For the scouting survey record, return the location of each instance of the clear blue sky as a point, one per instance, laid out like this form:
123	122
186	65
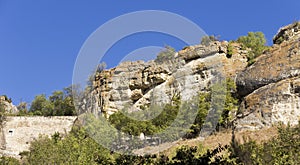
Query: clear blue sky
39	40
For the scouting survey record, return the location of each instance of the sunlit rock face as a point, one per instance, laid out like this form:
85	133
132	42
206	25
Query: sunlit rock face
267	89
270	87
272	104
7	105
135	85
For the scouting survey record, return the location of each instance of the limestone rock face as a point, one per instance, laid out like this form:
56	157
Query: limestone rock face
281	62
138	84
271	104
7	105
270	87
288	33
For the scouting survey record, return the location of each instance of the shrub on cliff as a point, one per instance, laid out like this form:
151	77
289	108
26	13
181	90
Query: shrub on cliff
205	40
165	55
256	41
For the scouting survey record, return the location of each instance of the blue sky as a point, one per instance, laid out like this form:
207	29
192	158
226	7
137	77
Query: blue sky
40	40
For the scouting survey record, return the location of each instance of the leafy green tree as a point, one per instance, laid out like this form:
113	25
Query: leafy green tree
9	161
229	50
56	100
2	111
22	109
60	103
203	107
75	148
256	41
231	104
41	105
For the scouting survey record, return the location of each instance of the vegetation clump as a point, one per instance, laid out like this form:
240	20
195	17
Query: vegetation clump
229	50
60	103
165	55
256	42
205	40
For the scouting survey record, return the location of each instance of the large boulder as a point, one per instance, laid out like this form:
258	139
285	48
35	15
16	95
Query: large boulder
272	104
281	62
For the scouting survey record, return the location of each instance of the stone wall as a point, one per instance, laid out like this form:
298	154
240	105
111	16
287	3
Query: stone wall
18	131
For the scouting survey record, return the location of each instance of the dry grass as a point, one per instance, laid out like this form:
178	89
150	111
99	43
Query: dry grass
211	142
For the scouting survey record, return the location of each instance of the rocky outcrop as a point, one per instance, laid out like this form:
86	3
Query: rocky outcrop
138	84
7	106
270	87
281	62
272	104
288	33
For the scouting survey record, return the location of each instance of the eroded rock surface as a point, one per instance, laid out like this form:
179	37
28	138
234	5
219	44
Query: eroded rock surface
137	84
272	104
270	87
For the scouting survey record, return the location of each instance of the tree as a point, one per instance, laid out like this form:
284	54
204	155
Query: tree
75	148
256	41
56	100
281	149
101	67
40	105
2	111
60	103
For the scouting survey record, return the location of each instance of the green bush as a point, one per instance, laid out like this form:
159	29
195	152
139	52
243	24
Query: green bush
229	50
256	41
75	148
60	103
164	117
165	55
9	161
79	148
283	149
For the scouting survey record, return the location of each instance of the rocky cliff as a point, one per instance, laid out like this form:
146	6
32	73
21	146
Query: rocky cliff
138	84
268	89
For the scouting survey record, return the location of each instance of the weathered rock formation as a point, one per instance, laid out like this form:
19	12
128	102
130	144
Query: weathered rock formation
271	104
270	86
281	62
7	106
288	33
138	84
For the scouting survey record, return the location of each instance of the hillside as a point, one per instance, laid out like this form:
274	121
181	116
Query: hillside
218	95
